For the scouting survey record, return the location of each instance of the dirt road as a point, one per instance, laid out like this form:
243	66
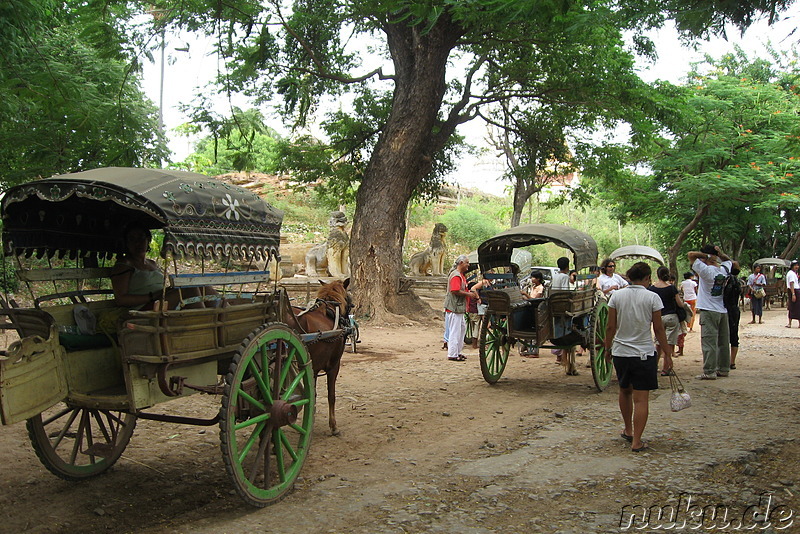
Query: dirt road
428	446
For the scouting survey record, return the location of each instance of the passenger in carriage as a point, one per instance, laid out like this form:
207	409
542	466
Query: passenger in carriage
609	280
536	289
138	282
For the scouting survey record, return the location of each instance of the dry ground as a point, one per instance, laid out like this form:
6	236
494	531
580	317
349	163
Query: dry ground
428	446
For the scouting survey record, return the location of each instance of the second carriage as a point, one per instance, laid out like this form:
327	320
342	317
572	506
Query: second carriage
562	319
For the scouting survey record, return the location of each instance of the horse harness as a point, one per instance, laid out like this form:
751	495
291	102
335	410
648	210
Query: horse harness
332	312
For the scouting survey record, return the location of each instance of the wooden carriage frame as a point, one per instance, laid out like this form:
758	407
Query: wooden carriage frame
81	393
563	319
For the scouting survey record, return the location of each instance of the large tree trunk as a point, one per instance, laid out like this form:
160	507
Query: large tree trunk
672	252
792	247
402	158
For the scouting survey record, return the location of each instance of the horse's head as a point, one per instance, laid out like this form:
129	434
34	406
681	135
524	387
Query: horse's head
336	291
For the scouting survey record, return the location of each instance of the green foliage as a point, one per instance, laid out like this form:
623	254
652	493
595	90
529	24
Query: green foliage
467	227
241	142
9	283
731	148
70	101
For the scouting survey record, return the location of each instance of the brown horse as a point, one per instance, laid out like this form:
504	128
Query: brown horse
326	355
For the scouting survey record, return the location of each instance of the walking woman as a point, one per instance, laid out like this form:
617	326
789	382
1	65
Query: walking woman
757	283
793	286
670	301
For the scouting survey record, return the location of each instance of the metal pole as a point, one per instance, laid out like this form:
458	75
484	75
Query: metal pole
161	86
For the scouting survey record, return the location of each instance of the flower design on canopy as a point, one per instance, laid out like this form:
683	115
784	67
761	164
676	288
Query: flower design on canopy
233	207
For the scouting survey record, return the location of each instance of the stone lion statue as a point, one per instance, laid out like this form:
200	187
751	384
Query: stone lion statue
431	260
332	256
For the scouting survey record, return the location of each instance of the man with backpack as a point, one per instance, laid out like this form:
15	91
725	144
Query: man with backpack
713	268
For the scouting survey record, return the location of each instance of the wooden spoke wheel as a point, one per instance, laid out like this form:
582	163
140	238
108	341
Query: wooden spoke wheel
77	443
469	331
267	414
601	369
495	345
352	339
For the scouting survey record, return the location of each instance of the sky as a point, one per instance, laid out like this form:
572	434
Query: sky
184	71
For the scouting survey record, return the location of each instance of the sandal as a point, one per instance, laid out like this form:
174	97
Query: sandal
644	447
666	373
626	437
459	358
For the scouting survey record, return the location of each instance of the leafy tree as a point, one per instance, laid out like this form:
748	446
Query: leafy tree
728	169
70	102
449	59
242	142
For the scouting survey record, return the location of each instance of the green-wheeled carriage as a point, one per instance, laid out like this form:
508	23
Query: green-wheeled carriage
81	392
562	319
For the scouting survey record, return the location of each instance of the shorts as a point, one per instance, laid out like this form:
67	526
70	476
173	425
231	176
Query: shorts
641	375
671	327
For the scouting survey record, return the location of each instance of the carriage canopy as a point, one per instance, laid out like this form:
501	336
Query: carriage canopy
497	251
83	214
777	262
637	252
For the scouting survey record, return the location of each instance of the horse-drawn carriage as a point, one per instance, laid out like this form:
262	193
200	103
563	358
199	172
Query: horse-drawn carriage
81	389
562	319
774	270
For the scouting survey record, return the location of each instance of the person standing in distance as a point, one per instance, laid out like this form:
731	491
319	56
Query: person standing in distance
793	286
632	312
689	290
455	306
714	331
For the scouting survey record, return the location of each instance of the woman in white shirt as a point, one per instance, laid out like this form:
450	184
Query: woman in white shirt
756	281
609	281
793	285
689	290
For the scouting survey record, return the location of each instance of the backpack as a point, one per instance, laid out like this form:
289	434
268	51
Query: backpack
731	290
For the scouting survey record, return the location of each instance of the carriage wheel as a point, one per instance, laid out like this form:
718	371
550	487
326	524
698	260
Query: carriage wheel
469	331
495	344
353	338
77	443
601	369
267	414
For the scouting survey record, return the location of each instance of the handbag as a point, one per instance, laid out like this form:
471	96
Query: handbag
680	400
681	313
759	293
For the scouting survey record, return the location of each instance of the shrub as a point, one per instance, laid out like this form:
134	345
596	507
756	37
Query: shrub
468	227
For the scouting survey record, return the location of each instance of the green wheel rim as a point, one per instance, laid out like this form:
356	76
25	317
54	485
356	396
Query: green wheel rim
267	414
601	369
495	346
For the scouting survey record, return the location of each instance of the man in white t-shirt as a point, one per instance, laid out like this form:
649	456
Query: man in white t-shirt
632	311
714	330
561	278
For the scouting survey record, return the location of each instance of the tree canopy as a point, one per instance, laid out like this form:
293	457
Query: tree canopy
416	70
727	167
70	100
